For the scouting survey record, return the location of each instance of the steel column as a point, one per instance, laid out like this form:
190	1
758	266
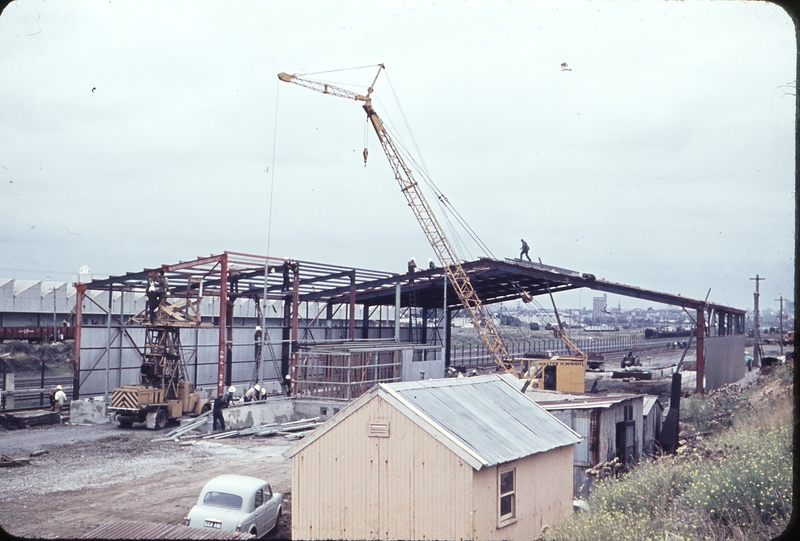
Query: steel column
701	360
223	317
76	365
352	305
295	325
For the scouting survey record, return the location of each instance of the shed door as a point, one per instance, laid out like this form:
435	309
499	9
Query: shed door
626	442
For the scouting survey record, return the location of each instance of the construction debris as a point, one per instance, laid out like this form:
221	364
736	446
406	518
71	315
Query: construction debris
6	461
605	470
292	430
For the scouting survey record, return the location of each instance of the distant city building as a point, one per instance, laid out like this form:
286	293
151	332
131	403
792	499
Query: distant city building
598	307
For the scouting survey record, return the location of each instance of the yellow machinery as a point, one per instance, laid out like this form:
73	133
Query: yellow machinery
557	372
164	392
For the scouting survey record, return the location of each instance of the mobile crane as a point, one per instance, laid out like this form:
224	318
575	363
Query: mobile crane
558	372
164	392
487	332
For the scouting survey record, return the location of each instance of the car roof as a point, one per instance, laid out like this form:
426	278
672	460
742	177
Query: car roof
235	484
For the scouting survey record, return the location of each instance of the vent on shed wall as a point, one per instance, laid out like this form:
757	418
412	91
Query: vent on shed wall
379	430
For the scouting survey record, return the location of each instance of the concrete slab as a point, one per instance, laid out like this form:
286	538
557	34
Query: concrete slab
88	411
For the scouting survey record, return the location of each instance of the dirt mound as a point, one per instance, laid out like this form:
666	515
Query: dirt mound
20	356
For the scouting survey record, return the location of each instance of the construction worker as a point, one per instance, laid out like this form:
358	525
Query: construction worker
60	398
412	265
524	250
257	342
152	298
431	264
219	403
253	394
229	395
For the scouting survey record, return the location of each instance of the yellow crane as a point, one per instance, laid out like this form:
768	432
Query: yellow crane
458	278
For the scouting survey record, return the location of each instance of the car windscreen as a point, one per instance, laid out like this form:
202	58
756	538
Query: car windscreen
223	499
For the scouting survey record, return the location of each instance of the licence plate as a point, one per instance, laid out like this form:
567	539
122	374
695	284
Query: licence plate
212	524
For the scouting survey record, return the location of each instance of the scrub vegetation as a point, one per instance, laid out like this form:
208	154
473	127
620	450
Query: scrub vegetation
732	478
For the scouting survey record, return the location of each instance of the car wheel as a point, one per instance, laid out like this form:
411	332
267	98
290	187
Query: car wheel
206	407
125	424
161	419
254	532
277	519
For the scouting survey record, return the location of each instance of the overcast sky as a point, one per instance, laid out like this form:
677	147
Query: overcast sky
136	134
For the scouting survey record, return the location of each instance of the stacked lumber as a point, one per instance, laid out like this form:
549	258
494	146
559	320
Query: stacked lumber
290	430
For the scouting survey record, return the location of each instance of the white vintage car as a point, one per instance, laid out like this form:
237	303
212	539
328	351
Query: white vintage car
237	503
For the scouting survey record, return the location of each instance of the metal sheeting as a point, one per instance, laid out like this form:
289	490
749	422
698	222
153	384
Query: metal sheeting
489	416
35	296
133	529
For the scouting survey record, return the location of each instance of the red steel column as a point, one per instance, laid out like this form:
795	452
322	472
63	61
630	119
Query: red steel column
76	363
223	308
701	360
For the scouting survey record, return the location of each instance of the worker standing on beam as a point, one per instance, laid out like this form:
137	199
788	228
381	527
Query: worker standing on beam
524	250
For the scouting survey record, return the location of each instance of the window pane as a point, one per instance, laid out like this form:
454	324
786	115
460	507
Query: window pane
506	505
223	499
507	482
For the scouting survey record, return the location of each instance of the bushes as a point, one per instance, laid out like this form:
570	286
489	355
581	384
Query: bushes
750	486
737	484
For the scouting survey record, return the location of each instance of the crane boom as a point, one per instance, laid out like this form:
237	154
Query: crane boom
488	333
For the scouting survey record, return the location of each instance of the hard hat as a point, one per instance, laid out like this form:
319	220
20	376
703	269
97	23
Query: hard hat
258	327
257	387
231	389
58	387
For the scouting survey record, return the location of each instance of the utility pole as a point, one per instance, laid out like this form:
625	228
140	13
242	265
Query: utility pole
781	320
756	326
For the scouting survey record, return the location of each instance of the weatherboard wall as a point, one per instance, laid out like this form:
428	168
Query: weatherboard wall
348	485
542	495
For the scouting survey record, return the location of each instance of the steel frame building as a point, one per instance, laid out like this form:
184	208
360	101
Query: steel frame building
234	291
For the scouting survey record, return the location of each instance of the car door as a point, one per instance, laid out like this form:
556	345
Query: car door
271	507
259	512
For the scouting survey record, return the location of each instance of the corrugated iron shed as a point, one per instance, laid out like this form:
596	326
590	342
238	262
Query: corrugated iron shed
484	417
492	418
134	529
649	402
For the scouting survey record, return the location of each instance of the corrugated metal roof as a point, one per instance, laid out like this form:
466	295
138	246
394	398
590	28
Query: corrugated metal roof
649	402
561	400
134	529
487	415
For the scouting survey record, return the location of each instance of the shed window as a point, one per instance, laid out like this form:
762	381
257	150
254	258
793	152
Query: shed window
508	503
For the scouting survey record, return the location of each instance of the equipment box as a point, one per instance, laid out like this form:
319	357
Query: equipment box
174	408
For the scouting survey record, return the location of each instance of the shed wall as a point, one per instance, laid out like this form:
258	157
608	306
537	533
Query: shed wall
543	495
348	485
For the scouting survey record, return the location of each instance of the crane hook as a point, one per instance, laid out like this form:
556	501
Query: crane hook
366	153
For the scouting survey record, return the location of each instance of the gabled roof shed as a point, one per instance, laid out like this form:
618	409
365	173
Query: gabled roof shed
459	458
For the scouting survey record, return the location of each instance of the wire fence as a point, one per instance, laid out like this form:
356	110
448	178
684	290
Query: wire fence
476	355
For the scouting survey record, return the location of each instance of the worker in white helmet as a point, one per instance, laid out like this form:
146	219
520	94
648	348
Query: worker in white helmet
257	343
59	398
253	393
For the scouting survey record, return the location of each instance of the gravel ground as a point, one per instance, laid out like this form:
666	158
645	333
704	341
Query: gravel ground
94	474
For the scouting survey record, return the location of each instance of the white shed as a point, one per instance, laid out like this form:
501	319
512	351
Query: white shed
459	458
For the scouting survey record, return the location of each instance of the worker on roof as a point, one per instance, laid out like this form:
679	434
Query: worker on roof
412	265
524	250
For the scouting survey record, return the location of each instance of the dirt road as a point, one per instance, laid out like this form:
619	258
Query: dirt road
92	475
